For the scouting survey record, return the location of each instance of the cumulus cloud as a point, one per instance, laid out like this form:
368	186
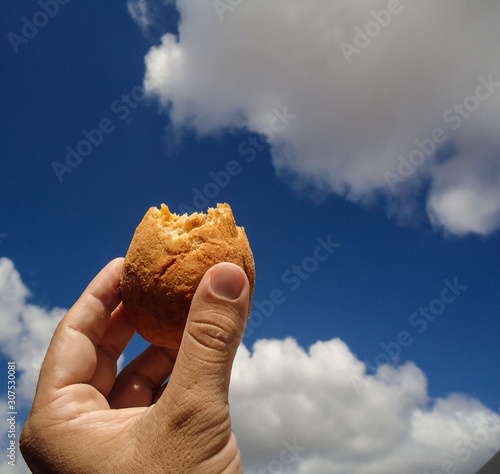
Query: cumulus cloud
30	329
392	98
318	411
5	468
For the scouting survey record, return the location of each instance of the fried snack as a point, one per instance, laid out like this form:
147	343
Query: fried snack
166	260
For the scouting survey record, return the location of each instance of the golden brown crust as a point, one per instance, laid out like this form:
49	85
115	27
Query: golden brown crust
166	260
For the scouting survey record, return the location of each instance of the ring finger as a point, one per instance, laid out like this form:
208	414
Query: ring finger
137	383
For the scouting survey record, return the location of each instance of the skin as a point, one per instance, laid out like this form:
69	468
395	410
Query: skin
86	419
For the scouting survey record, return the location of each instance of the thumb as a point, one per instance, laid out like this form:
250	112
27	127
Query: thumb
213	332
190	421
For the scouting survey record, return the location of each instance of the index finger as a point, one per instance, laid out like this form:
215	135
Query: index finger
72	357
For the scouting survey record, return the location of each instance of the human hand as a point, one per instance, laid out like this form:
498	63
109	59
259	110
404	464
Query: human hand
85	419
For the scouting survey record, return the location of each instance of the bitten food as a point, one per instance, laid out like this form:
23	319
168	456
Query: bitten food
166	260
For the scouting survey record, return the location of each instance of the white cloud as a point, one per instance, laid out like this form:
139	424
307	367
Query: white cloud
138	10
466	192
359	109
319	412
27	330
4	427
5	468
146	12
26	334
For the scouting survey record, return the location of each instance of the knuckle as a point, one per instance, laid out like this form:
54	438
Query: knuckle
192	417
183	414
214	331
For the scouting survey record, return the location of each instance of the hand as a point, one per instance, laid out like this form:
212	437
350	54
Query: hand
85	419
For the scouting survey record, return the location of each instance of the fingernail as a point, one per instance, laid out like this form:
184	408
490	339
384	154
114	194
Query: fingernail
227	281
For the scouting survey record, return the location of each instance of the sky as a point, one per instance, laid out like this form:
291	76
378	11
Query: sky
358	145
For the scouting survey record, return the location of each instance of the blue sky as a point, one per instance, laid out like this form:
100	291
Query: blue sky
392	255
